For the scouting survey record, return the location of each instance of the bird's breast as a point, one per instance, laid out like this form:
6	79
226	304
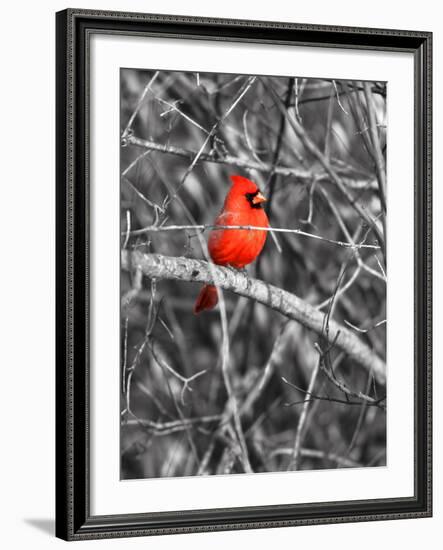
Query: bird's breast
238	247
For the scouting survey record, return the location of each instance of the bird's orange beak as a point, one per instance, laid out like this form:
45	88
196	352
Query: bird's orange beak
259	198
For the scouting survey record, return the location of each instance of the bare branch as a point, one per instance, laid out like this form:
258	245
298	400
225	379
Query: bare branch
293	463
244	90
338	98
313	453
315	151
139	104
231	404
166	428
290	305
342	386
364	330
315	397
161	228
274	359
186	380
351	242
304	176
377	152
152	204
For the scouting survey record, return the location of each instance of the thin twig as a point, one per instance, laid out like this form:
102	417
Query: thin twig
341	385
315	151
231	405
163	366
139	104
315	397
272	176
125	356
314	453
274	359
154	205
378	155
202	227
185	380
134	163
128	228
244	90
293	464
351	242
248	139
364	330
174	108
342	289
337	94
361	417
301	175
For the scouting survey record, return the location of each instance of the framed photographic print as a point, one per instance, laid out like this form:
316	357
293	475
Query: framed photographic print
243	274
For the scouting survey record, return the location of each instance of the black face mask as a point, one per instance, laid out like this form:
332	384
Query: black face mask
250	196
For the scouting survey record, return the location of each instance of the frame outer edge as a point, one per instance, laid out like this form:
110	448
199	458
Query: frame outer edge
187	19
72	522
62	429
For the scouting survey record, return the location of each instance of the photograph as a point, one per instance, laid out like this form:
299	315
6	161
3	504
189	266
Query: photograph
253	273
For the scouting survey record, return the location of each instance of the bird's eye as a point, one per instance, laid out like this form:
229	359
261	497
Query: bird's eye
255	199
250	196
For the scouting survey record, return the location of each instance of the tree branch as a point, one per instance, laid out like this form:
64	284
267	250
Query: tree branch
303	175
290	305
315	151
202	227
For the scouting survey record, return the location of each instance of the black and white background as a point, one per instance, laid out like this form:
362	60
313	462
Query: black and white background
259	392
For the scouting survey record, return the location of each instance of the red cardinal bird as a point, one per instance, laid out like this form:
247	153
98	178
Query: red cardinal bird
235	247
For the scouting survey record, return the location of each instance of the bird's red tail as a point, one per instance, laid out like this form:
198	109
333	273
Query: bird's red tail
207	299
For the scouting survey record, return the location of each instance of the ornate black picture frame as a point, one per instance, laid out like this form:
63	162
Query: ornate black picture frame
73	518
